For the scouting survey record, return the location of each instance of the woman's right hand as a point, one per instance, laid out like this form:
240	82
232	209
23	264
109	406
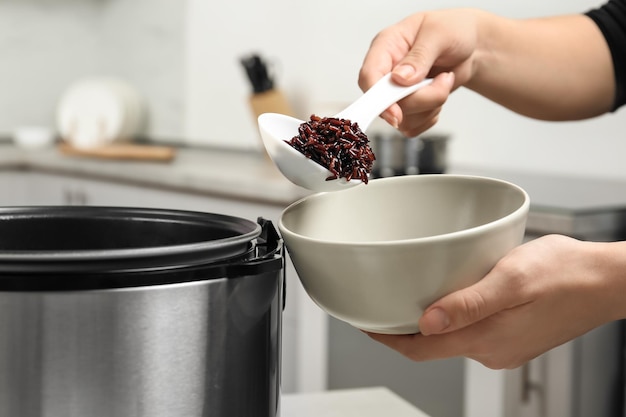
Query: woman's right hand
557	68
438	44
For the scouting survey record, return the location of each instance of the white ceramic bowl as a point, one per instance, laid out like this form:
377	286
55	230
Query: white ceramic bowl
377	255
33	137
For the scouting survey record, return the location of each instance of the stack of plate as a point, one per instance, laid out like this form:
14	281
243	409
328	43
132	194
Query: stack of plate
96	112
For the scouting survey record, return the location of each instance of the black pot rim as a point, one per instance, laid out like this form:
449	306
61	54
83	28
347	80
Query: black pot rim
111	260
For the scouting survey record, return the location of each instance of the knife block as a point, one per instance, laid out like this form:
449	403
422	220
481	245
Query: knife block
271	101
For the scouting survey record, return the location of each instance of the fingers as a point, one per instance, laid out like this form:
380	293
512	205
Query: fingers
417	124
420	111
465	307
386	50
502	351
459	309
418	347
403	50
426	46
409	52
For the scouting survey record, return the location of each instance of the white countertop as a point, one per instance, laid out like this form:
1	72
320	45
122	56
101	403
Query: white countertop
361	402
252	176
229	173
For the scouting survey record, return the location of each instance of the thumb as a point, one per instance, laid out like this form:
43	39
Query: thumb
465	307
417	63
410	70
419	60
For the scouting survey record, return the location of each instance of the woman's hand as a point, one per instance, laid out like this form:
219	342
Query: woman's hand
541	295
557	68
436	44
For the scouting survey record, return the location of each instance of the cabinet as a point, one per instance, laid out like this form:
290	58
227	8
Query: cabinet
303	357
13	188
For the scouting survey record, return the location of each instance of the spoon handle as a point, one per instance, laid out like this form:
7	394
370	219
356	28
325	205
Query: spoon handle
375	100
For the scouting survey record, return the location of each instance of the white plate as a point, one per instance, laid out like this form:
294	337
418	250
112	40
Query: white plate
97	111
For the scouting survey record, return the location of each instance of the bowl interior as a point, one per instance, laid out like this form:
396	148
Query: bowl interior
401	208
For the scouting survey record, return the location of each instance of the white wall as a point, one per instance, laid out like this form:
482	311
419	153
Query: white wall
45	45
318	47
184	57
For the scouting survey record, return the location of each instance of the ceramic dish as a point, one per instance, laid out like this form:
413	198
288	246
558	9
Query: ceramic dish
377	255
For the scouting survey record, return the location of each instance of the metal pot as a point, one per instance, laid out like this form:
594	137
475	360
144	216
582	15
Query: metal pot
398	155
391	155
125	312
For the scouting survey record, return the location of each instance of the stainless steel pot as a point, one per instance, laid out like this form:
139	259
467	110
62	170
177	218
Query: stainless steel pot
123	312
399	155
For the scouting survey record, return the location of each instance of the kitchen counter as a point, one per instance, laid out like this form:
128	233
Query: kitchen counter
581	207
559	204
362	402
228	173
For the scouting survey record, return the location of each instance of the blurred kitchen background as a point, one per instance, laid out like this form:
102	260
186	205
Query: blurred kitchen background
184	59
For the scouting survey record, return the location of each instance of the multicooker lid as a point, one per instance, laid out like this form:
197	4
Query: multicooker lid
86	246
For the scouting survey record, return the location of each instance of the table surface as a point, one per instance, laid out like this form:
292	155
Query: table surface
251	175
360	402
228	173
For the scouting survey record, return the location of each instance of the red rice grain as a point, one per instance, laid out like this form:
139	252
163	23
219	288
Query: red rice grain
336	144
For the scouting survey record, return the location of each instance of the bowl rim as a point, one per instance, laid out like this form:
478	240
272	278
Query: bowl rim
522	210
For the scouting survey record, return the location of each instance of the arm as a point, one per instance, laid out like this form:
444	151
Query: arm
554	68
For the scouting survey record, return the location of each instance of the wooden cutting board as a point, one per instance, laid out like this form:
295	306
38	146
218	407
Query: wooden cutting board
123	151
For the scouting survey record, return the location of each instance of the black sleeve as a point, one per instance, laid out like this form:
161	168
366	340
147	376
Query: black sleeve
611	19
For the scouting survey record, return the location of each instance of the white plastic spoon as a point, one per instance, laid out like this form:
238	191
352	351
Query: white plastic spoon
276	128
